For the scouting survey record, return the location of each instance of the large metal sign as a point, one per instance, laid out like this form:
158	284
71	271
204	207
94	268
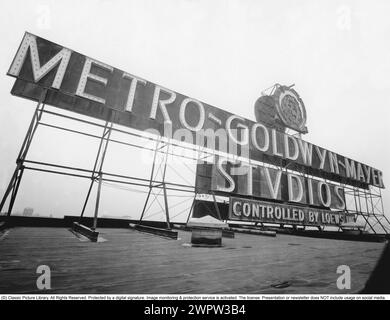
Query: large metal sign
268	183
84	85
268	212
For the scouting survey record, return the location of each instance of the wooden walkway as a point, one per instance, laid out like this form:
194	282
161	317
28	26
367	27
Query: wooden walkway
131	262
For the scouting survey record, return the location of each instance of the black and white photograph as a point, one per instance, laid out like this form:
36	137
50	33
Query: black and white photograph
194	150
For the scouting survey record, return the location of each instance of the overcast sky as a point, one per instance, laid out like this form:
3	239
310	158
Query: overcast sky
221	52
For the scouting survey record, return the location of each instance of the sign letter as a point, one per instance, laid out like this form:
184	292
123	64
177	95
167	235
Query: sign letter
29	41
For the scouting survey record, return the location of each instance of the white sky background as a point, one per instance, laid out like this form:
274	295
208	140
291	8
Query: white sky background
221	52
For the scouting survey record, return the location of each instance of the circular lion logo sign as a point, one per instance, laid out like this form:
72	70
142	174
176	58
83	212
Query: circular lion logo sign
290	108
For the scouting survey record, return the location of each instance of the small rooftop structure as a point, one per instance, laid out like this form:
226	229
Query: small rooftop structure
351	225
206	222
206	231
352	228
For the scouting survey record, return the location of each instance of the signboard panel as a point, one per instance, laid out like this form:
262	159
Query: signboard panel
81	84
267	183
269	212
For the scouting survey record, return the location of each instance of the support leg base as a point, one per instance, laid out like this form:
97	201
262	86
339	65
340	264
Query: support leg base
85	231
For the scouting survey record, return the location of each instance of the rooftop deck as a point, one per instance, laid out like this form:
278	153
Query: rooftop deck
127	261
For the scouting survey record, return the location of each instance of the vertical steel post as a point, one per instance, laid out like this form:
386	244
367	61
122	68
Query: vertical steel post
166	207
106	130
108	133
163	184
150	180
8	190
191	209
216	206
164	188
15	190
16	178
195	193
95	217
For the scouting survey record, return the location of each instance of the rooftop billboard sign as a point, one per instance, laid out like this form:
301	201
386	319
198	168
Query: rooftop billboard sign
81	84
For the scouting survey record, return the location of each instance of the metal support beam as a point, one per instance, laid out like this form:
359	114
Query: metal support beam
13	186
150	181
191	209
216	206
200	158
166	207
95	217
97	172
372	219
162	184
368	195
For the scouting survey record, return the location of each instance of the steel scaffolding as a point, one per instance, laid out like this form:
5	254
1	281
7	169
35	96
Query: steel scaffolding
366	204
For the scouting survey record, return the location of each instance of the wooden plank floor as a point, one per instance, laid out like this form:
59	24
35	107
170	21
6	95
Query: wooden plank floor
130	262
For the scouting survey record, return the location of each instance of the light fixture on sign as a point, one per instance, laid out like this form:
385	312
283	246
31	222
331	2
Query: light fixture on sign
282	108
290	108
